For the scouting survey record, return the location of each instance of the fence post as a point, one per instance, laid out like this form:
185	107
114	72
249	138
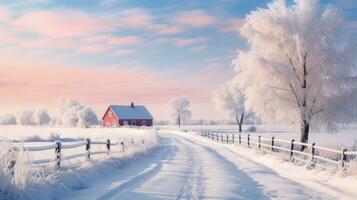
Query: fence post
122	144
343	157
58	150
240	138
248	140
88	148
12	163
217	136
222	137
312	152
259	142
291	148
272	144
108	145
227	138
233	138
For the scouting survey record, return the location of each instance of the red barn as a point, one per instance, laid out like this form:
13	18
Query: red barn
132	115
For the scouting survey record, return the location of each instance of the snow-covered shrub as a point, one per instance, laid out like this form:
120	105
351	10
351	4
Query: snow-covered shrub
16	175
252	129
351	169
74	114
7	120
41	117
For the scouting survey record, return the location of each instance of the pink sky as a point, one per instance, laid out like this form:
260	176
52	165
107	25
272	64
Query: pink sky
27	86
42	52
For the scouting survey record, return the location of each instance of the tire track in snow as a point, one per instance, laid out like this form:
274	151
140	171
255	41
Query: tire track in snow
150	172
193	188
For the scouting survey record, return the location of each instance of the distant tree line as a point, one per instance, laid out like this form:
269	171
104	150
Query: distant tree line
70	113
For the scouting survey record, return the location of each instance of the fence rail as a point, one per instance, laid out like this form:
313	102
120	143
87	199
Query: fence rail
311	153
58	146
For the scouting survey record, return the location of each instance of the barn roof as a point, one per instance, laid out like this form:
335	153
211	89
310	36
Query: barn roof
129	112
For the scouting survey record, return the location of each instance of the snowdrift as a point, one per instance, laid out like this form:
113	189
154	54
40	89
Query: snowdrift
22	175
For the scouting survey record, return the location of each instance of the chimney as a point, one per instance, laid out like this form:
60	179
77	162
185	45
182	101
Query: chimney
132	104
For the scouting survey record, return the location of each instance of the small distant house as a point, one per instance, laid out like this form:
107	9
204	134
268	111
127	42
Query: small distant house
133	115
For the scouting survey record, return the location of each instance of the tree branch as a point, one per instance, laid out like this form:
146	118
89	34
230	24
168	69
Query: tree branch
294	69
278	88
296	96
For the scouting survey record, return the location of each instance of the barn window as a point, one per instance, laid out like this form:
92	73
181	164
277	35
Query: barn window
143	123
110	114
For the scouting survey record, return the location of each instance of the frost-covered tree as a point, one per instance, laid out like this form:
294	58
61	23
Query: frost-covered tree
181	112
299	67
87	117
74	114
7	120
230	100
25	118
41	117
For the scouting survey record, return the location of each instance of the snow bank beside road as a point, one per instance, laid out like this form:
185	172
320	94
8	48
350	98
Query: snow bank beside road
322	179
25	181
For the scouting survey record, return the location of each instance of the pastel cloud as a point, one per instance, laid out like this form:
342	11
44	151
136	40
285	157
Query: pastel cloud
121	52
195	18
164	29
180	42
183	42
135	18
63	23
113	40
232	25
138	18
199	48
64	43
4	14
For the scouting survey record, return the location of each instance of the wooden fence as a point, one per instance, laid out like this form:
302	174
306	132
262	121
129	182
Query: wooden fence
58	146
312	153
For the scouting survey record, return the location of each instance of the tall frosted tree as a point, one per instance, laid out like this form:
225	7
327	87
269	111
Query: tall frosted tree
230	100
300	67
180	107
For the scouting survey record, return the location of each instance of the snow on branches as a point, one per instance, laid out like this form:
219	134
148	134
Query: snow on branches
181	112
299	67
230	99
73	114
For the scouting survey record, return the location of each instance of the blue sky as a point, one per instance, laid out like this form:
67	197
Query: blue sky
180	47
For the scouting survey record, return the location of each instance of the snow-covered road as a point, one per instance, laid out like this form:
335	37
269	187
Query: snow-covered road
186	168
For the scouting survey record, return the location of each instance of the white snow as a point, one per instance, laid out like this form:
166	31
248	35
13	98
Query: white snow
184	166
30	179
281	179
